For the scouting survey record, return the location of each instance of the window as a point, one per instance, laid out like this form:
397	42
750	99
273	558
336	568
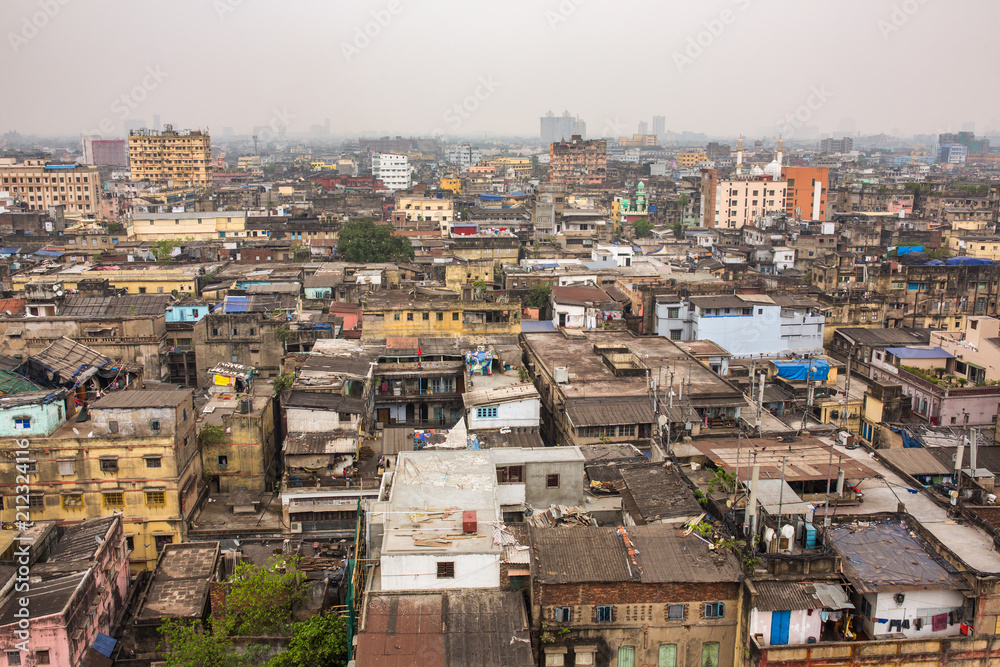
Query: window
156	497
440	317
29	467
114	499
42	657
710	654
510	475
675	334
605	614
426	316
22	423
72	500
223	460
486	413
409	317
562	614
36	501
552	481
675	612
715	610
673	313
395	316
67	467
130	542
446	570
109	464
13	658
668	655
454	317
626	656
113	426
153	462
154	425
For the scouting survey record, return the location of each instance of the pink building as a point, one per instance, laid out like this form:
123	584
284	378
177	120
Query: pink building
73	598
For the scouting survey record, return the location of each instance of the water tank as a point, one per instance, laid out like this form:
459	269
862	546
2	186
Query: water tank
470	524
562	374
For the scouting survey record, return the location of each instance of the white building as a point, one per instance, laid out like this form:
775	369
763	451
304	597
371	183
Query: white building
582	306
745	325
464	156
616	255
392	170
516	406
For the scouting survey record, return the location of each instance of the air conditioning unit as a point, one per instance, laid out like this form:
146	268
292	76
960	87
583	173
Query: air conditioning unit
296	526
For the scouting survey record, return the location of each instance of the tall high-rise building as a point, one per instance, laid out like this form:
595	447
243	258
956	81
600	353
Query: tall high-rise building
659	127
561	128
578	162
643	127
805	194
845	145
170	156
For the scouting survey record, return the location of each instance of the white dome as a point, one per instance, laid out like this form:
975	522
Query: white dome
773	170
756	171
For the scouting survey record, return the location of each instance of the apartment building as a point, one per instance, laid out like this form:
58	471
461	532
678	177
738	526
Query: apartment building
135	453
397	313
805	192
105	152
434	212
189	225
170	156
393	170
42	184
578	162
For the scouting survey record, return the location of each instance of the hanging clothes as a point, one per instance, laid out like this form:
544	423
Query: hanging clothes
939	622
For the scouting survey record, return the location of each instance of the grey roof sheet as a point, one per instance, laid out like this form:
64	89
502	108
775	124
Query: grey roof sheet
659	493
325	401
886	556
80	543
66	356
334	442
115	306
915	461
608	411
877	336
789	595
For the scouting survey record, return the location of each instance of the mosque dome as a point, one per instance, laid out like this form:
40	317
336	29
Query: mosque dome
773	170
756	171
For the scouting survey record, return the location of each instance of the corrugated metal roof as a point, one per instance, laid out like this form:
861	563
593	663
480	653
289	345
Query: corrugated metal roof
659	493
919	353
334	442
914	461
784	596
67	357
608	412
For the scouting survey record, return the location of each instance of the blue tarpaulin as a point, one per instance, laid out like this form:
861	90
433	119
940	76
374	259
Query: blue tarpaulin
104	644
801	369
907	249
909	441
968	261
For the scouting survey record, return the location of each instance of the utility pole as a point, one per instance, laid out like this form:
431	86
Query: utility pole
809	394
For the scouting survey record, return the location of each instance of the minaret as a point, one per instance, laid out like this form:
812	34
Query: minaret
739	157
781	151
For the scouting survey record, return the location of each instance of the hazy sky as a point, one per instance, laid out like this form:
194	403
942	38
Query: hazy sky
467	67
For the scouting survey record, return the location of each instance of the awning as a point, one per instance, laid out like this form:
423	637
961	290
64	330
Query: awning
832	596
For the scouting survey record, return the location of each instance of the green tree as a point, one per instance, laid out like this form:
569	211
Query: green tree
188	644
259	600
300	252
163	250
282	382
212	434
366	241
319	642
537	296
643	228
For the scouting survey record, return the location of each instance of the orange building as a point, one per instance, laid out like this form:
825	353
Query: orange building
578	162
805	196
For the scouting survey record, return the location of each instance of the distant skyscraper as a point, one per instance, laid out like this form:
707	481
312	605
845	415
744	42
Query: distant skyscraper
560	128
156	122
643	127
659	127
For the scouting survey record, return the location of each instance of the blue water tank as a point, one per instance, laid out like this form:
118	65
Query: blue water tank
809	537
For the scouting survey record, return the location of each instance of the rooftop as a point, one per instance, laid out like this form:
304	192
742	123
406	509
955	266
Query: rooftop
887	556
179	588
657	493
143	398
803	459
658	554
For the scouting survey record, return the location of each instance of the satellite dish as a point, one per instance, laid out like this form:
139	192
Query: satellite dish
662	420
59	292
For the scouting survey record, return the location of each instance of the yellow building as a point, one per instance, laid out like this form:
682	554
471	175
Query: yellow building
461	274
981	246
170	156
166	280
691	158
520	165
41	184
137	456
452	183
437	313
190	225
